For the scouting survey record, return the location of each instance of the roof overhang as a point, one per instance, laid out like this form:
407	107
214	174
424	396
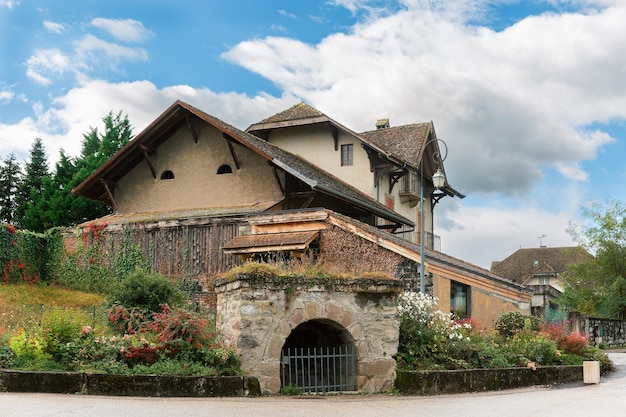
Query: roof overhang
270	242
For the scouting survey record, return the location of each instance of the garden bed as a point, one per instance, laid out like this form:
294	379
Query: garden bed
476	380
127	385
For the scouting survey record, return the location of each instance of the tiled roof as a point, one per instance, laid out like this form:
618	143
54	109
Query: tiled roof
296	112
403	142
525	262
175	117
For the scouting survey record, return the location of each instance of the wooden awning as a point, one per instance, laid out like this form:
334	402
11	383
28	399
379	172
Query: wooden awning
270	242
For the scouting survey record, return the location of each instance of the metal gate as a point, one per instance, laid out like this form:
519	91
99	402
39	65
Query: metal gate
320	369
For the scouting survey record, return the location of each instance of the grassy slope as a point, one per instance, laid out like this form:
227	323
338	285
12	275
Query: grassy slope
21	305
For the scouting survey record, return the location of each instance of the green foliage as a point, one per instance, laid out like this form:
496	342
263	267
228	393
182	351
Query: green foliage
10	179
509	324
596	354
22	255
430	339
145	291
30	192
598	287
292	390
95	266
60	328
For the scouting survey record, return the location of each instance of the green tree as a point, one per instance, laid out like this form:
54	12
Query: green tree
65	209
598	287
10	179
30	194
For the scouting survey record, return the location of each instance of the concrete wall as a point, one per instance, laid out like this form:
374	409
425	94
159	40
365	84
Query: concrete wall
476	380
196	183
256	315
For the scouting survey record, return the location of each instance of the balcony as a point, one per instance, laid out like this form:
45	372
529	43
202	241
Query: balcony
433	241
410	189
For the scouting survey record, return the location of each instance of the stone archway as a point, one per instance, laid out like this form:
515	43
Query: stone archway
319	356
257	315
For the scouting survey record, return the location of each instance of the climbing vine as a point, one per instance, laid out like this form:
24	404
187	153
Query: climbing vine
22	255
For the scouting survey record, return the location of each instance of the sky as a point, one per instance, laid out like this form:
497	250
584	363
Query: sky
529	96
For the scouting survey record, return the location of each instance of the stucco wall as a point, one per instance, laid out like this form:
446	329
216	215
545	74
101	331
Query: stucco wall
486	307
315	143
196	183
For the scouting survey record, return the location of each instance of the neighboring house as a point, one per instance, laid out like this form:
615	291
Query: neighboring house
385	163
542	270
198	195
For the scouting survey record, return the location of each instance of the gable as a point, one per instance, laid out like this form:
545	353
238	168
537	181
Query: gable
525	262
187	175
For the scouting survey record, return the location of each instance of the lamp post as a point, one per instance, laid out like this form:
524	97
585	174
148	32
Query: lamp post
439	181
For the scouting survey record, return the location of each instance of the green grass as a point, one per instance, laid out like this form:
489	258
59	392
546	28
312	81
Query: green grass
25	306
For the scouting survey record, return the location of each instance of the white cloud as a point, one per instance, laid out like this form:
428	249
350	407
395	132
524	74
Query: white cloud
53	27
278	28
6	96
70	116
487	234
508	103
127	30
9	4
285	13
46	63
90	47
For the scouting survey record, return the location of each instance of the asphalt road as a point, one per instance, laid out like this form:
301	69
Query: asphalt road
607	399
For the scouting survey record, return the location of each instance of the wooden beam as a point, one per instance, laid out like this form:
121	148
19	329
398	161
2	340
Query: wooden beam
190	125
282	190
108	185
146	156
229	141
334	131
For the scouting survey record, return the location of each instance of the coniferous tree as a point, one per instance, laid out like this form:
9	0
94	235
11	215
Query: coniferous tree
65	208
10	178
30	193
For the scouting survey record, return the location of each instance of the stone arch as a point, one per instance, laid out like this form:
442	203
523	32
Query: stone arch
319	355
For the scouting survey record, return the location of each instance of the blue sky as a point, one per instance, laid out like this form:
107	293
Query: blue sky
529	95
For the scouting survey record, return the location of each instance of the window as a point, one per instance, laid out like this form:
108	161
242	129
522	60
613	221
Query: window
224	169
544	280
167	175
460	300
347	155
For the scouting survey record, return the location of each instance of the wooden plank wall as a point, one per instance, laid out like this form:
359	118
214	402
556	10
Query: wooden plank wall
177	249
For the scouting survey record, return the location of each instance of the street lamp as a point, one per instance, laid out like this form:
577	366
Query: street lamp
439	181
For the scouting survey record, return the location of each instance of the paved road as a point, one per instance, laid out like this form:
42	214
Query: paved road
607	399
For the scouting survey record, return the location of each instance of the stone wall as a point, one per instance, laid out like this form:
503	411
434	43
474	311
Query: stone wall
257	314
476	380
601	331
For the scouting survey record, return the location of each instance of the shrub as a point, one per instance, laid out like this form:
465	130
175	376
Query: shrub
573	343
596	354
146	291
60	328
514	322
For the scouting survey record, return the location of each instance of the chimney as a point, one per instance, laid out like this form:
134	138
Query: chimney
382	124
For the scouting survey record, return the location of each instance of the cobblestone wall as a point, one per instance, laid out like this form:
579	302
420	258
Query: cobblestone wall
257	315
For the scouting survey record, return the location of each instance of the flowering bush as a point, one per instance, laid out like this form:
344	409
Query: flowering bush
431	339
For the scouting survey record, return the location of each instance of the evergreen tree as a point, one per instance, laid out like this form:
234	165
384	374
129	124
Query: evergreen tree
10	178
65	209
30	192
